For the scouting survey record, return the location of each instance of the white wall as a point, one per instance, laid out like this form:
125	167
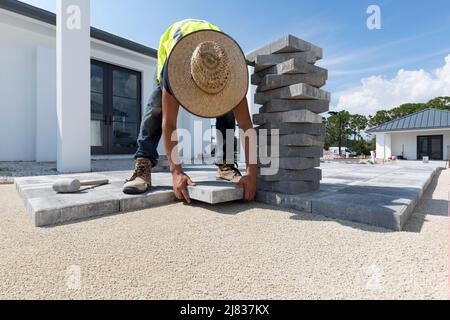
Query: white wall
18	57
384	143
46	120
28	125
405	143
409	141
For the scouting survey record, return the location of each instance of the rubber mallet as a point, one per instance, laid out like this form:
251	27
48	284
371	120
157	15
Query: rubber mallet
74	185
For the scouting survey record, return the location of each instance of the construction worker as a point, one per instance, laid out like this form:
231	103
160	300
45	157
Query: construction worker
204	70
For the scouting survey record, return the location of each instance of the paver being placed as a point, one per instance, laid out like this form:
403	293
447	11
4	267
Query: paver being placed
214	192
47	208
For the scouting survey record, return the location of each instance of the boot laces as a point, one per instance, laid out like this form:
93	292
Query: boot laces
142	170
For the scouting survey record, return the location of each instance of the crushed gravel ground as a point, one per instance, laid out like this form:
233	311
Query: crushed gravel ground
235	251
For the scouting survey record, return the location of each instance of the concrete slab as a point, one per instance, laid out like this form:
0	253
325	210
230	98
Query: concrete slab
46	208
286	44
382	196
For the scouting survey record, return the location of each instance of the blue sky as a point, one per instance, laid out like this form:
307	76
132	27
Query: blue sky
414	34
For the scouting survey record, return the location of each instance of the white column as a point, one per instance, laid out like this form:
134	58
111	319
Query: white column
380	146
73	85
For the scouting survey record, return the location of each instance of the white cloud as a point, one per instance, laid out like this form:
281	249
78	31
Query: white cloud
378	92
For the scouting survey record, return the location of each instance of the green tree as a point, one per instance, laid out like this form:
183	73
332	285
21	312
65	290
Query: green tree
379	118
357	124
383	116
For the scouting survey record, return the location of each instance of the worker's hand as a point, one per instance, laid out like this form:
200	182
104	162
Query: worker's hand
248	182
180	181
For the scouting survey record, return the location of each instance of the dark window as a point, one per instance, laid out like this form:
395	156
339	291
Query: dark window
115	109
430	146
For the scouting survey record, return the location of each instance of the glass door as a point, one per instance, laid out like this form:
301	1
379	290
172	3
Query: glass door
99	136
115	109
437	147
430	146
126	110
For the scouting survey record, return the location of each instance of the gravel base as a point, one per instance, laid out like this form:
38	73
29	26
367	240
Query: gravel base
235	251
11	170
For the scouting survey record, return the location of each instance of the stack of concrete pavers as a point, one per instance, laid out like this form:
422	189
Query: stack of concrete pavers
289	91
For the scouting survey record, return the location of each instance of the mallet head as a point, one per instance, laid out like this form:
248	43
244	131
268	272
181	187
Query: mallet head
67	186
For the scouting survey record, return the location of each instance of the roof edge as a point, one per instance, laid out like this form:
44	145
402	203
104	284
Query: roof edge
375	130
48	17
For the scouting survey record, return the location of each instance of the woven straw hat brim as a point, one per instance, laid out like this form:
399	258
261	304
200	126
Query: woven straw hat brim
184	88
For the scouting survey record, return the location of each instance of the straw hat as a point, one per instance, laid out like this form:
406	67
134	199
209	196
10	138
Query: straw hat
207	73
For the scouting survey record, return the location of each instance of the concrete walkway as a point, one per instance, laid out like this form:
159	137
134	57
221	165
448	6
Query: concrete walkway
231	251
382	196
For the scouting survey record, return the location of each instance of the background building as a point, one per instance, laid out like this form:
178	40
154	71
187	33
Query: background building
423	134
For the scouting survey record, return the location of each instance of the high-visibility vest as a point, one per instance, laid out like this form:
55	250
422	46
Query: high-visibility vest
175	33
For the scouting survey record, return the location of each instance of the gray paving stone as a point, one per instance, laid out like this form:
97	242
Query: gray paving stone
384	196
275	81
295	140
379	210
215	192
295	116
293	152
286	44
302	140
46	208
294	175
269	60
289	187
293	66
295	163
278	105
298	91
370	200
316	129
284	201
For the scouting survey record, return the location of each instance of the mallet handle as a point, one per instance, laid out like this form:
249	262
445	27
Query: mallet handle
94	183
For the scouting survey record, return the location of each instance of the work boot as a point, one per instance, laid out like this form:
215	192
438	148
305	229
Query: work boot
141	181
229	172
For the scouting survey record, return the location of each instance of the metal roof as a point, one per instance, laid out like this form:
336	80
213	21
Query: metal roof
426	119
50	18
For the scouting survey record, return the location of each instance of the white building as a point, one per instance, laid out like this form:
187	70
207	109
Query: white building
423	134
122	78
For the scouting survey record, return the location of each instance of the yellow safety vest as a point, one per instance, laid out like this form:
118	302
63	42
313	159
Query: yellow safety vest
175	33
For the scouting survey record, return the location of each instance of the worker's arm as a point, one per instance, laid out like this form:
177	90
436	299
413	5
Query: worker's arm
248	182
169	126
